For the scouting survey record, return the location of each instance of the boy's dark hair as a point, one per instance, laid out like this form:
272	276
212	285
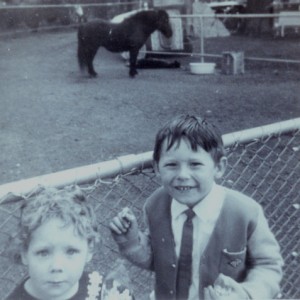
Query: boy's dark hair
196	130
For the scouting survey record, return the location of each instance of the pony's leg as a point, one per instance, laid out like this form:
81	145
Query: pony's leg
90	55
133	53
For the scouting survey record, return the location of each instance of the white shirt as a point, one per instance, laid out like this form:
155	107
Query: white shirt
207	212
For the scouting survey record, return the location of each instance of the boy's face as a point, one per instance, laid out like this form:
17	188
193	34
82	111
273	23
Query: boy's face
56	257
188	175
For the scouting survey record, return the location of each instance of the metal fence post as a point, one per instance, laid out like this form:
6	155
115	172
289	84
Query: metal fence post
202	38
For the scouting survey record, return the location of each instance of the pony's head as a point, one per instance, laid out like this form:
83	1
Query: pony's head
163	23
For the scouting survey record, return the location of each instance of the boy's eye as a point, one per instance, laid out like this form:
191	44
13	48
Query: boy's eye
170	164
196	164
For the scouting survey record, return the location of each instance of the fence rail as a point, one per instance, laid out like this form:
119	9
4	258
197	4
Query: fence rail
263	163
31	6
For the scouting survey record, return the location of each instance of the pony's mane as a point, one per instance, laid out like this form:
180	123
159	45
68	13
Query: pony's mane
142	16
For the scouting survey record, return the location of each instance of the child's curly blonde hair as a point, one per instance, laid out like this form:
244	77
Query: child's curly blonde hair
69	205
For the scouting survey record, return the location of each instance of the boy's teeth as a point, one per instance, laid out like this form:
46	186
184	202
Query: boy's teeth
183	188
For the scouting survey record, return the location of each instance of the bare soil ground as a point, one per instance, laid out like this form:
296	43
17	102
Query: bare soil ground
53	118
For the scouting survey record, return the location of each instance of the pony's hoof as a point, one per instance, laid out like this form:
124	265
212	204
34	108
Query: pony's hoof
93	75
132	74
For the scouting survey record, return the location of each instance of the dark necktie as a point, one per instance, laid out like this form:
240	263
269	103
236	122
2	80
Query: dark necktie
184	271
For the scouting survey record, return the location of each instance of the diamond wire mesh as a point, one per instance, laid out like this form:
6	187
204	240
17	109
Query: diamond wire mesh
268	169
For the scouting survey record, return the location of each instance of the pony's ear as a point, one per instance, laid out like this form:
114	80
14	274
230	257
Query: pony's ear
163	23
162	15
162	18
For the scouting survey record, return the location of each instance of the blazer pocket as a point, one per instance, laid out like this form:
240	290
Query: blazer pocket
233	263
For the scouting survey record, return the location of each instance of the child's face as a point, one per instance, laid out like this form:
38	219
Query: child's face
56	257
188	175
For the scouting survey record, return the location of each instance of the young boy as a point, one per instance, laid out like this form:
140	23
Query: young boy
232	255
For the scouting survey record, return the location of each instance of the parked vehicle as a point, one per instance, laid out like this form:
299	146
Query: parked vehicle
230	7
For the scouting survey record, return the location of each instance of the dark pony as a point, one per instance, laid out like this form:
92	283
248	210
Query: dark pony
129	35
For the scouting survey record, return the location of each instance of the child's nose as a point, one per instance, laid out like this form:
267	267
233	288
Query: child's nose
183	172
57	263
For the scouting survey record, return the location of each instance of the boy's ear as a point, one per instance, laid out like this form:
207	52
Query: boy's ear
155	167
221	167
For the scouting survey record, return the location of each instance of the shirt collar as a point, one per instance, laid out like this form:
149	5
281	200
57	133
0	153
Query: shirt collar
207	210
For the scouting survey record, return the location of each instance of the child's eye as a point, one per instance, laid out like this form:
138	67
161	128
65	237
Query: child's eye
196	164
170	164
72	251
42	253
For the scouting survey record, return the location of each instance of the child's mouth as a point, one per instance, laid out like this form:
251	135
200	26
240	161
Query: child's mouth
56	283
183	188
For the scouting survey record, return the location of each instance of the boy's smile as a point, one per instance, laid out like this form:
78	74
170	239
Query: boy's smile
188	175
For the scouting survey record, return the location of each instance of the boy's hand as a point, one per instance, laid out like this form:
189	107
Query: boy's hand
124	225
225	288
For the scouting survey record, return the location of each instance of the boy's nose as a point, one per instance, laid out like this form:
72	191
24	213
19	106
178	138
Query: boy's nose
183	172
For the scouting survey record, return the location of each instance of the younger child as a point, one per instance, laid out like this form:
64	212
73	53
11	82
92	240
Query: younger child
58	232
203	241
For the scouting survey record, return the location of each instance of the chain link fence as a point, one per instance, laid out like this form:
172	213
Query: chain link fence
266	168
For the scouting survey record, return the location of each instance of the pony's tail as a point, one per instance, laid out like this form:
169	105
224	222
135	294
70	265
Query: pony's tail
80	51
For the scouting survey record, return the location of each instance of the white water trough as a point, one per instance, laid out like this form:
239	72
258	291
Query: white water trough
198	68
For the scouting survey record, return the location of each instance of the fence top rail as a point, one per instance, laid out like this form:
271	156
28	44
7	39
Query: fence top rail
127	163
30	6
269	15
211	15
247	135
